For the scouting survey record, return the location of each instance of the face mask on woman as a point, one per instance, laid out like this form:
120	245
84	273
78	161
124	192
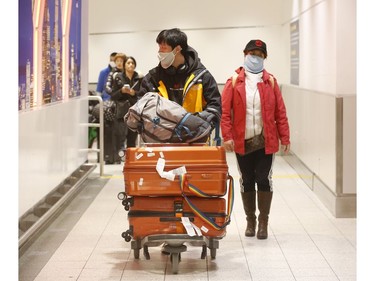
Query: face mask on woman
166	59
112	64
254	64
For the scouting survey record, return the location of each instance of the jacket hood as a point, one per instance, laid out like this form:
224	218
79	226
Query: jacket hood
192	59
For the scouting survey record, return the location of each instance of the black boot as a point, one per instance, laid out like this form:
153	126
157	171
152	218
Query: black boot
264	206
248	199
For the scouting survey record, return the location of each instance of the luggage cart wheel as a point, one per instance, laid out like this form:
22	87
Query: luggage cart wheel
213	253
136	253
175	259
204	252
146	253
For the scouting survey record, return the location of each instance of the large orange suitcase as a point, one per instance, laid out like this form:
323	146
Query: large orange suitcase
163	215
155	170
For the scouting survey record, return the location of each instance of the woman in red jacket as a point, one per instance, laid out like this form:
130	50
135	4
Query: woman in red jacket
253	123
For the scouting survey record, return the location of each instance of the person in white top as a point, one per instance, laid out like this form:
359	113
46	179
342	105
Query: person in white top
253	124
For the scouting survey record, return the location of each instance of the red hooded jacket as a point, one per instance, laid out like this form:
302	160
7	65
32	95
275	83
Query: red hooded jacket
233	119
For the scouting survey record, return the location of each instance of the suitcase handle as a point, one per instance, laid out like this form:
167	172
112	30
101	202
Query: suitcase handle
173	219
203	176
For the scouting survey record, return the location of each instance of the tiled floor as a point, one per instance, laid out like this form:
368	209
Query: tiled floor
306	243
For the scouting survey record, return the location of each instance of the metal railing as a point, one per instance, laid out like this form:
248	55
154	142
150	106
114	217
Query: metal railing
99	125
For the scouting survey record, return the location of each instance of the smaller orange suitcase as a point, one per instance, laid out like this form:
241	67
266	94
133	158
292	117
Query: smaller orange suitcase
205	168
162	215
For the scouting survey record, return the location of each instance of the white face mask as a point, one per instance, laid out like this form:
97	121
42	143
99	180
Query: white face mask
254	64
112	64
166	59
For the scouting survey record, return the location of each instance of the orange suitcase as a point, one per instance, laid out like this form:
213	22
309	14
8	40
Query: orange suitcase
155	170
162	215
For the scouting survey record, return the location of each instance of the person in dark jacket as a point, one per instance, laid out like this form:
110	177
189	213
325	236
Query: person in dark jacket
181	77
253	109
115	130
131	83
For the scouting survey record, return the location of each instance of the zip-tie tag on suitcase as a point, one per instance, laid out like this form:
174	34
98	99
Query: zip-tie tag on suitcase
170	175
191	229
187	225
160	169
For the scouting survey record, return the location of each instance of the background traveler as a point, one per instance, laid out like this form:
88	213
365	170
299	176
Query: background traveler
130	90
253	109
115	130
103	75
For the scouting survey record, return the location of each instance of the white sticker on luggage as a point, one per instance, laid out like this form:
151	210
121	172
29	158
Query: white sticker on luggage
168	175
179	171
160	166
204	229
139	156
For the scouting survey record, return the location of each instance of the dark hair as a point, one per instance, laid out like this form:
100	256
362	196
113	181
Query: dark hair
113	54
133	59
173	37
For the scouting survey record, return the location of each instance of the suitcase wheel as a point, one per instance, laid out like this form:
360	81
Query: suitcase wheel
121	196
126	236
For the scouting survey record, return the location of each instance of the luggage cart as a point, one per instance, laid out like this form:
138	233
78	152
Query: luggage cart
174	245
213	221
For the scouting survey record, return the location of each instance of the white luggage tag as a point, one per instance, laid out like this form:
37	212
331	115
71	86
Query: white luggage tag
160	169
188	226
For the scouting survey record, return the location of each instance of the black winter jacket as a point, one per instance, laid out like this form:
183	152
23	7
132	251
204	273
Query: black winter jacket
175	79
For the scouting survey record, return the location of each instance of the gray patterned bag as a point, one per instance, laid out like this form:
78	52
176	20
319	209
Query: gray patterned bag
159	120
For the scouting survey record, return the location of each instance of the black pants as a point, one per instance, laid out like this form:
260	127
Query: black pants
131	138
255	168
114	137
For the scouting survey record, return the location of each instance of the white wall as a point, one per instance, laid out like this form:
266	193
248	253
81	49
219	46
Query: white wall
50	140
221	55
327	45
218	30
327	74
51	137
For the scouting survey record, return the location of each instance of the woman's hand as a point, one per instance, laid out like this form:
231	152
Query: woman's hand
229	145
286	148
127	91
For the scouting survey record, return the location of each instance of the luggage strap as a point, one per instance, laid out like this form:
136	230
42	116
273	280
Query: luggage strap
198	192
